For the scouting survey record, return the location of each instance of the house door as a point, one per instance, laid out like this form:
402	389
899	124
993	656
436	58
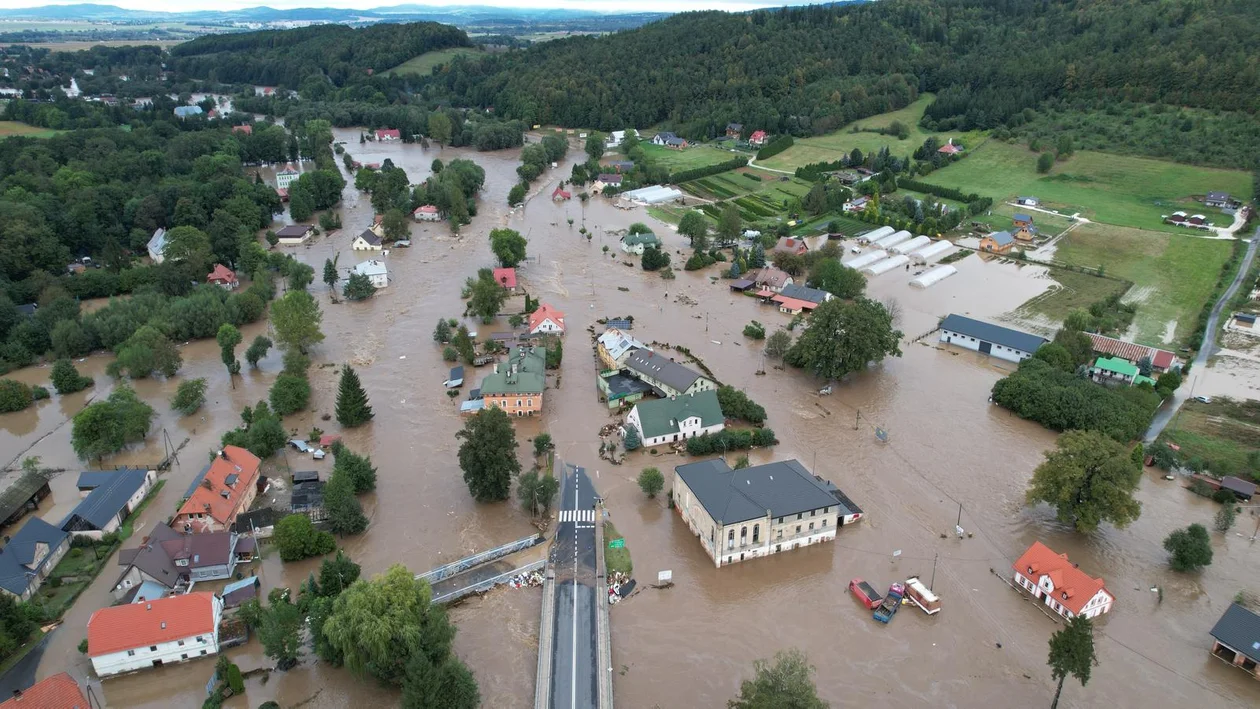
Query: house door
986	347
157	663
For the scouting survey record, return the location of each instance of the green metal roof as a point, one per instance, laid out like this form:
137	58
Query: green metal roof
648	239
1139	379
661	416
1116	365
522	373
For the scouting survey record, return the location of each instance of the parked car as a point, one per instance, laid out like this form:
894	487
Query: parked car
866	594
1203	399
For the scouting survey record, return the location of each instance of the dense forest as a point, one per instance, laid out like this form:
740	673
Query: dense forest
991	63
292	57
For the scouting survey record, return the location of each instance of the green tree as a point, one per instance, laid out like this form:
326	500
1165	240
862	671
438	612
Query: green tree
778	343
632	440
108	426
654	259
736	405
516	195
1225	517
296	318
449	685
190	246
1057	356
290	393
755	331
395	225
299	274
485	296
228	338
1191	548
280	632
837	279
844	337
15	395
297	538
145	353
1072	653
330	273
337	574
353	408
66	379
488	455
442	332
257	350
543	444
1044	162
786	684
345	514
595	146
651	482
190	396
815	201
439	130
508	246
728	227
1169	382
463	344
536	491
356	467
694	226
1088	478
358	287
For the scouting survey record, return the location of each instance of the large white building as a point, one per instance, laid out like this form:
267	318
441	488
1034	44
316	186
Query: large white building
138	636
677	418
987	338
376	272
1060	584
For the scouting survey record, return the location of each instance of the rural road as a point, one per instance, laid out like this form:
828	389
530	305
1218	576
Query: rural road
575	660
1209	344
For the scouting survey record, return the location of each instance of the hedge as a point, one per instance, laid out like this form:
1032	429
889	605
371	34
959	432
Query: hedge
775	147
698	172
943	192
816	171
730	440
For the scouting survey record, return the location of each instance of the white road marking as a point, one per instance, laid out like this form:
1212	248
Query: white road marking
573	681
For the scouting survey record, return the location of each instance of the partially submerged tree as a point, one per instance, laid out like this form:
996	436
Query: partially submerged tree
1089	479
844	337
488	455
190	396
353	408
296	318
1190	548
787	683
1072	653
651	481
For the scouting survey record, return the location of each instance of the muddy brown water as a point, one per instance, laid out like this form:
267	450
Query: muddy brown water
688	646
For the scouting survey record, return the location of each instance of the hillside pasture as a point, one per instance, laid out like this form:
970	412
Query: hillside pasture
424	64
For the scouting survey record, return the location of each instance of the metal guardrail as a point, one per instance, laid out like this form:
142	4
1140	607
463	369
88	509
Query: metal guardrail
489	583
461	565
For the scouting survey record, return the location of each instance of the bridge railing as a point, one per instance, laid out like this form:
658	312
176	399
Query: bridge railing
490	583
461	565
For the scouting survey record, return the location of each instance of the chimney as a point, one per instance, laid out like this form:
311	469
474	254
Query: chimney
148	606
223	454
17	695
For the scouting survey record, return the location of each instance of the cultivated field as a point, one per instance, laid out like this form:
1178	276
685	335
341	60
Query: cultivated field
12	128
1224	433
832	146
1115	189
1172	276
688	158
423	65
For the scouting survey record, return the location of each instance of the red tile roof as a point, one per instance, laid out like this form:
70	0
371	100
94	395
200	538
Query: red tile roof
949	149
757	136
794	303
161	620
1073	588
545	312
207	497
246	129
388	133
505	277
791	245
1160	359
426	209
221	273
561	193
57	692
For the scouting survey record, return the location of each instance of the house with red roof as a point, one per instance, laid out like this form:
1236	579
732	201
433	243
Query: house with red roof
546	319
560	194
224	489
426	213
757	139
389	134
949	148
790	245
506	277
1161	360
223	277
243	130
57	692
137	636
1063	587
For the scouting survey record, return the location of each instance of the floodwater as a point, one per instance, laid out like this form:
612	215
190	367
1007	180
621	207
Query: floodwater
689	646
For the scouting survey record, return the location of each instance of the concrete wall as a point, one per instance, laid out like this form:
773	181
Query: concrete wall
1009	354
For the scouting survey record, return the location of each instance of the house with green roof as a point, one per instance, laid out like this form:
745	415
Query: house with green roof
677	418
1113	370
517	384
636	243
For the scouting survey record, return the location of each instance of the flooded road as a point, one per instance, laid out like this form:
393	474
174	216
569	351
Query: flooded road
688	646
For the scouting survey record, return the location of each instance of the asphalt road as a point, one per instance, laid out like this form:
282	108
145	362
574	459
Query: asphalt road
574	660
1207	348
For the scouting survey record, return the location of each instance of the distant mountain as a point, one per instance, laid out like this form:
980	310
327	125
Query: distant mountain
448	14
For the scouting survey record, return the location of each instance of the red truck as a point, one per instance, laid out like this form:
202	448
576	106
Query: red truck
866	594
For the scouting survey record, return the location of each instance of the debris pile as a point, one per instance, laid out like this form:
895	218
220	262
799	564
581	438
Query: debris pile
620	586
532	578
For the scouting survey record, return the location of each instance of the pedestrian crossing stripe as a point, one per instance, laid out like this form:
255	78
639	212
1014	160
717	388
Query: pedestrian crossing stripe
577	515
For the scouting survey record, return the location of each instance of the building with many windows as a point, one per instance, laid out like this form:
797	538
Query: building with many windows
137	636
516	386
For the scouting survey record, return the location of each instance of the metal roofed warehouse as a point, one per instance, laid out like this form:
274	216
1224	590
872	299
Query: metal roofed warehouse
987	338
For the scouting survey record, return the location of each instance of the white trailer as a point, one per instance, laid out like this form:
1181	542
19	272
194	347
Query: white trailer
893	239
867	259
874	234
933	276
914	244
931	253
886	265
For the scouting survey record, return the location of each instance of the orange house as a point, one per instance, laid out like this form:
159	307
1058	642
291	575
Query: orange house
517	385
226	489
999	242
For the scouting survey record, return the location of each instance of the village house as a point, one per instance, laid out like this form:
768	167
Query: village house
999	242
388	134
1161	360
259	523
426	213
1236	639
618	390
769	278
734	130
1218	199
614	347
546	319
264	90
506	277
376	271
157	246
367	241
246	129
1021	220
666	377
1113	370
136	636
294	234
669	140
987	338
678	418
223	277
285	177
790	245
106	505
177	560
238	592
857	204
29	556
516	386
1028	202
613	141
59	691
637	243
757	139
604	180
949	148
1066	589
560	194
621	165
223	490
794	299
758	511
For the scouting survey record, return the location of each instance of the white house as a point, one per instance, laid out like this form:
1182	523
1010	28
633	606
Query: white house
637	243
678	418
987	338
294	234
614	138
285	177
137	636
111	498
546	319
1063	587
375	271
157	246
426	213
367	241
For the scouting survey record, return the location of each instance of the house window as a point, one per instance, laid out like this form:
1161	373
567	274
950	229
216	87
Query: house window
800	515
813	512
153	648
203	652
131	653
199	639
811	526
181	643
756	533
529	403
826	510
778	534
730	539
798	529
823	523
518	403
183	656
780	520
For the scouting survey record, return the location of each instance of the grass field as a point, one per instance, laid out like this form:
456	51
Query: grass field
1225	434
832	146
616	559
12	128
1173	276
1001	217
1115	189
686	159
423	65
1075	291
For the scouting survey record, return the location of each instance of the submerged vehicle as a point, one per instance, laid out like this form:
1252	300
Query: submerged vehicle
892	602
866	594
922	596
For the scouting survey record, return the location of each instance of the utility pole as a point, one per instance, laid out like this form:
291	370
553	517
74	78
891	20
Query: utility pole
856	418
932	585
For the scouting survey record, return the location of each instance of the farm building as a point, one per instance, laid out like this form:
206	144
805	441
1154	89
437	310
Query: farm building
934	276
1237	639
867	259
426	213
886	265
295	234
931	253
893	239
1113	370
656	194
1161	360
1028	202
1218	199
987	338
999	242
914	244
875	234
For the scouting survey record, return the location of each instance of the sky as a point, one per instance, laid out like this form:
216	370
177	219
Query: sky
597	5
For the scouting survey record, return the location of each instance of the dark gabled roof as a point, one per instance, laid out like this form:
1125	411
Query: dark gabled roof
662	369
666	135
1239	628
259	518
306	476
27	309
1238	485
989	332
106	501
17	557
14	497
813	295
307	496
782	488
1217	195
92	479
294	230
370	237
734	126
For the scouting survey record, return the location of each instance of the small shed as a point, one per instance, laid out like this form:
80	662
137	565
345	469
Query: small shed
741	285
1242	489
456	378
300	445
305	476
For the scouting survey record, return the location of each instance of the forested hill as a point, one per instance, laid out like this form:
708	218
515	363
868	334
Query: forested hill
288	57
813	69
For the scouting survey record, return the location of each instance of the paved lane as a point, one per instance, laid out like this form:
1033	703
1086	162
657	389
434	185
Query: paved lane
574	666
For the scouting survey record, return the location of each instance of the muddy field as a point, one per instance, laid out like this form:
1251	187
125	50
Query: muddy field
690	645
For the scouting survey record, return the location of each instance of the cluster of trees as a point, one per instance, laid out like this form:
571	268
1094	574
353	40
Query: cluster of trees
654	259
728	440
1061	399
1089	479
736	405
453	190
16	625
15	395
536	156
776	146
508	246
352	475
108	426
845	336
485	296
